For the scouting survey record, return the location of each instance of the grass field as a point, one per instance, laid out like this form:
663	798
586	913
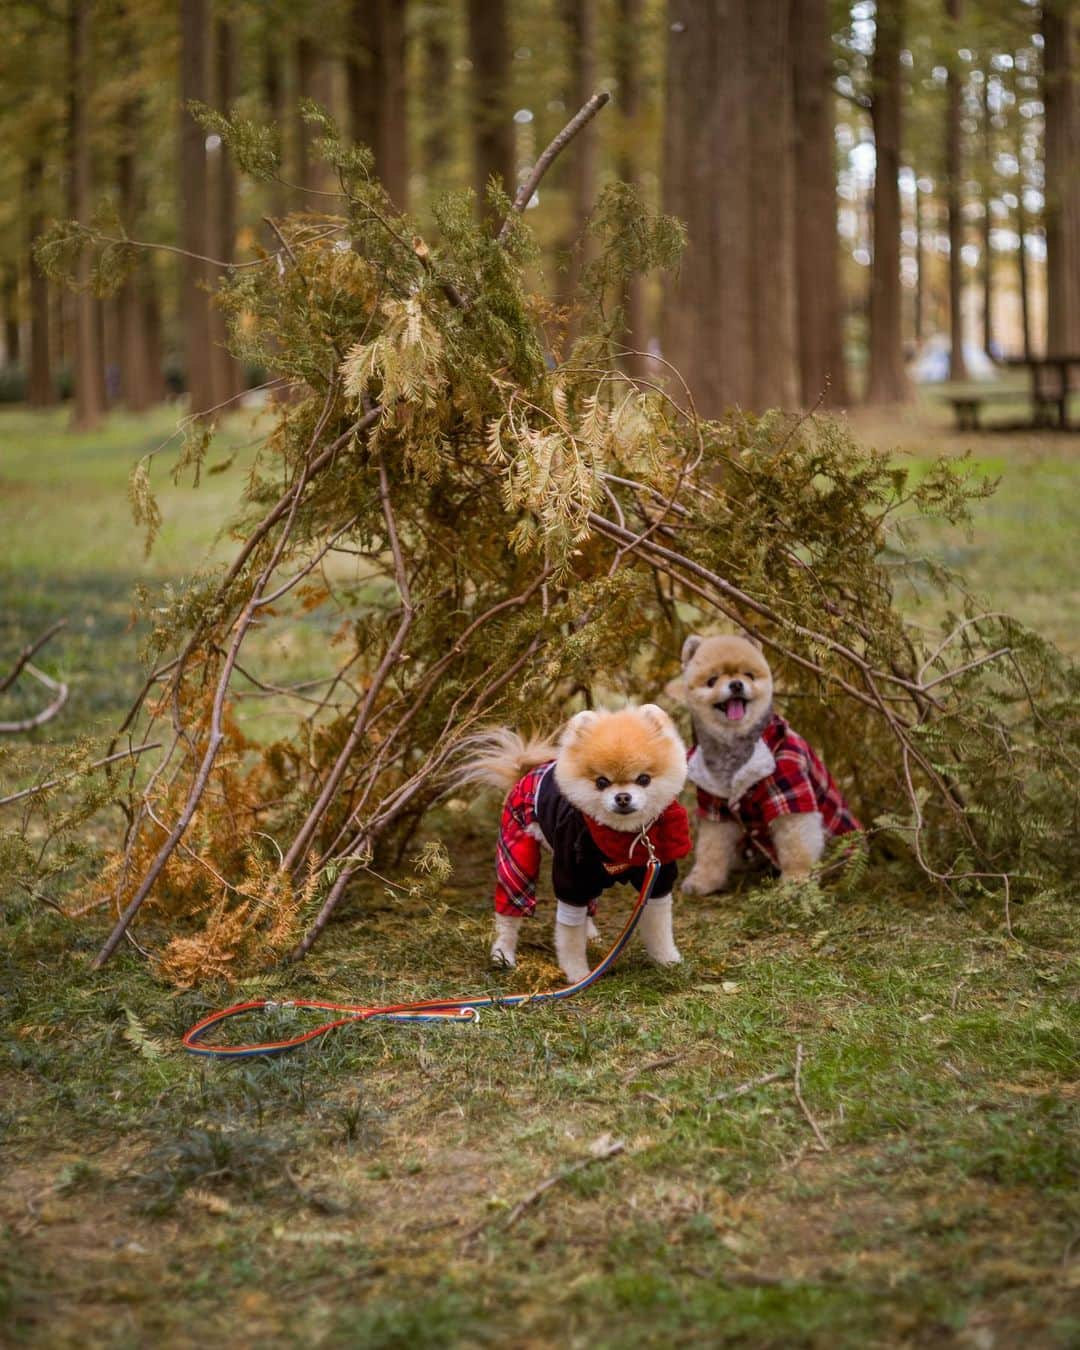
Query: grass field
367	1192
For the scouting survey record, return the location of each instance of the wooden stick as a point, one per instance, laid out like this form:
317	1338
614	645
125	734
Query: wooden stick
822	1141
752	1083
563	139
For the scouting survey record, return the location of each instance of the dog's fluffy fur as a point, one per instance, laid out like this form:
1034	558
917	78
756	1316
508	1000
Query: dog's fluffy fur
599	758
728	687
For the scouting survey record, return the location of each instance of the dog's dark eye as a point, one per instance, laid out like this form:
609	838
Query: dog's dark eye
602	783
643	780
711	681
749	674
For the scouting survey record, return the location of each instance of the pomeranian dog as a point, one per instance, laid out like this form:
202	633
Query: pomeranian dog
759	785
587	798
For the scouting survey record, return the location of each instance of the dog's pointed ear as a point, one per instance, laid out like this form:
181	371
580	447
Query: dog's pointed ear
578	723
655	716
689	647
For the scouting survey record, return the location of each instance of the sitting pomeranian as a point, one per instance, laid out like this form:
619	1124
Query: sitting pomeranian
759	785
586	797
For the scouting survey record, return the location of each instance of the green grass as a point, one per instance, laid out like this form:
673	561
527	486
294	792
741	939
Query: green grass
360	1193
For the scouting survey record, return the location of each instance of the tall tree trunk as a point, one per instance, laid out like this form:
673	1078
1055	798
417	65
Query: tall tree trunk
376	90
273	89
772	209
194	205
954	184
303	173
580	18
920	266
492	124
706	318
821	360
987	220
225	371
888	382
1061	81
89	406
392	139
11	314
140	381
438	71
1021	230
628	44
361	76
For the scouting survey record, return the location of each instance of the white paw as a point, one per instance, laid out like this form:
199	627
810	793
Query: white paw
502	956
575	973
669	957
700	883
592	933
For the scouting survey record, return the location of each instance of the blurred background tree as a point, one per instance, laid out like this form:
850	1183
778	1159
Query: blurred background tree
858	179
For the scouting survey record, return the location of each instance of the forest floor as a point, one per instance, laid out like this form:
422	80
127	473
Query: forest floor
368	1192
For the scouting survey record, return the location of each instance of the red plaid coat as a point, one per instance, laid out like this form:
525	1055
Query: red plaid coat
517	857
799	784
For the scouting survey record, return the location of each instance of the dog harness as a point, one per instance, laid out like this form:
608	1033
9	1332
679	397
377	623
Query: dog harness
587	856
783	777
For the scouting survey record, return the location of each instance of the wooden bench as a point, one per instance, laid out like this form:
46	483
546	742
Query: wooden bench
967	407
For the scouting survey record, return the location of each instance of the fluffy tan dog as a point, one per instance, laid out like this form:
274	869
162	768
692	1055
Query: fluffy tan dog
759	785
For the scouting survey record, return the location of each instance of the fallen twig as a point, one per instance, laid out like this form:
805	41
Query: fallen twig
752	1083
822	1141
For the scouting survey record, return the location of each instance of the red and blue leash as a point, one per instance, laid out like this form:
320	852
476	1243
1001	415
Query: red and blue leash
430	1010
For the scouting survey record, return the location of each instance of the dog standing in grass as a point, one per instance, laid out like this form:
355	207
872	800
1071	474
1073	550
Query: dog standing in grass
759	785
587	798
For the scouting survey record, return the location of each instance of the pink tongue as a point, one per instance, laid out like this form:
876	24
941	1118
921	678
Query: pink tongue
735	708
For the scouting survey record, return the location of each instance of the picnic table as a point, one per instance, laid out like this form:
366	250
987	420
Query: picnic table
1051	384
1050	387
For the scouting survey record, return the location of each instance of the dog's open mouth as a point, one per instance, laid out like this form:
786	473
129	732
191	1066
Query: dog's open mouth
734	709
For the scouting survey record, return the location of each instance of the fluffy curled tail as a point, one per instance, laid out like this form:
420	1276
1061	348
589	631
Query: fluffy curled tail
498	757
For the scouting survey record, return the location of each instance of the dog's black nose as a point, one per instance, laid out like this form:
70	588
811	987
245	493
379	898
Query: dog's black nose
623	799
736	686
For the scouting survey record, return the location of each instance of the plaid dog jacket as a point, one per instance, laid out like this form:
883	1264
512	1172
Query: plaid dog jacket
798	783
587	858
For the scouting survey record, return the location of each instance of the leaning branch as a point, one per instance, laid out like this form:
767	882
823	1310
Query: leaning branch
27	654
561	141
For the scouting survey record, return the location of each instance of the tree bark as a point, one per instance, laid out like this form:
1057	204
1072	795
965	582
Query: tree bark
628	44
953	185
492	123
226	375
1021	230
11	314
706	317
377	91
920	266
89	404
273	90
821	359
987	220
888	381
140	380
194	205
772	209
1061	95
580	19
438	72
